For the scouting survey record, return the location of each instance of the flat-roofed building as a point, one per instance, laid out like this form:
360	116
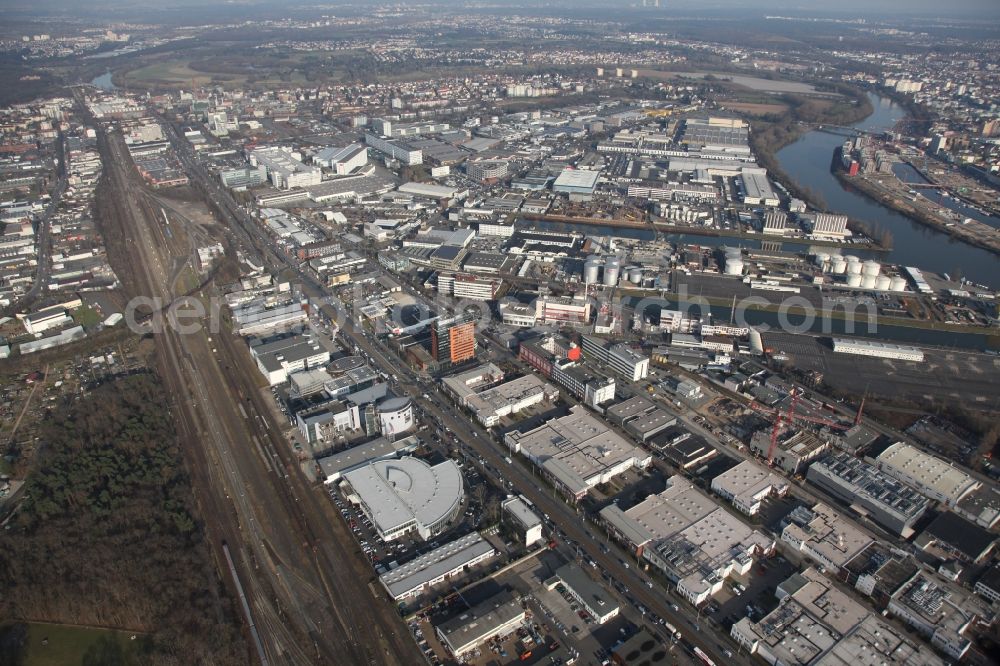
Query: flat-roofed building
517	314
528	523
827	225
940	611
325	421
590	387
888	502
929	475
757	190
631	364
453	340
406	495
43	320
495	617
792	453
510	397
478	390
876	642
577	183
594	597
335	465
640	417
699	558
436	566
954	537
824	535
815	624
878	349
561	310
686	451
658	516
344	160
395	149
277	358
307	382
466	286
484	262
284	169
747	485
577	451
261	315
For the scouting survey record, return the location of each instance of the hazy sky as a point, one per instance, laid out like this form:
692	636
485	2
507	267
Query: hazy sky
984	9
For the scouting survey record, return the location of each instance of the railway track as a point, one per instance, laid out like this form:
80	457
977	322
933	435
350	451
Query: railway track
305	582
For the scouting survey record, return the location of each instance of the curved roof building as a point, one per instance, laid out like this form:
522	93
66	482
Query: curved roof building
407	495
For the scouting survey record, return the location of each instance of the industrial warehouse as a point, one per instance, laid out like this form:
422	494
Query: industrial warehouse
436	566
577	452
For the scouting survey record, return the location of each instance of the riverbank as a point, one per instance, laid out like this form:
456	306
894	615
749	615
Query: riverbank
989	241
837	314
769	137
664	228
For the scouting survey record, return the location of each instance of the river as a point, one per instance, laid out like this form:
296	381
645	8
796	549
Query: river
807	161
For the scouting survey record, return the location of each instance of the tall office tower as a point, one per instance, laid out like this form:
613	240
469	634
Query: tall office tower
454	340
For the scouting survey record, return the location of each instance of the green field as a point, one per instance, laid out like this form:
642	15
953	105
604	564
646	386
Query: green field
66	645
86	316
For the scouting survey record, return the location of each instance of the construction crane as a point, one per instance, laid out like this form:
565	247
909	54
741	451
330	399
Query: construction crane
788	417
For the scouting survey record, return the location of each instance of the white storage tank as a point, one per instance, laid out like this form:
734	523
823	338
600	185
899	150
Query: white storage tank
734	265
612	269
838	265
591	270
882	283
897	284
868	281
821	258
854	279
871	268
635	275
853	267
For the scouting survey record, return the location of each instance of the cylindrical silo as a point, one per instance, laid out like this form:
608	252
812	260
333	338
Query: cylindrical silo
734	264
611	270
871	268
882	283
897	284
838	265
635	275
868	281
853	267
821	258
854	279
591	270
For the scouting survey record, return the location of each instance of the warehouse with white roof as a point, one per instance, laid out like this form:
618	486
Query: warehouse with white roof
578	451
406	495
436	566
927	474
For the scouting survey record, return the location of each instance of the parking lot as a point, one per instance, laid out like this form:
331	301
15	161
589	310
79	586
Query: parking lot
751	595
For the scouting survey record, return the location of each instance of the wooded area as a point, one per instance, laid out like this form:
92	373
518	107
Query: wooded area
106	534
